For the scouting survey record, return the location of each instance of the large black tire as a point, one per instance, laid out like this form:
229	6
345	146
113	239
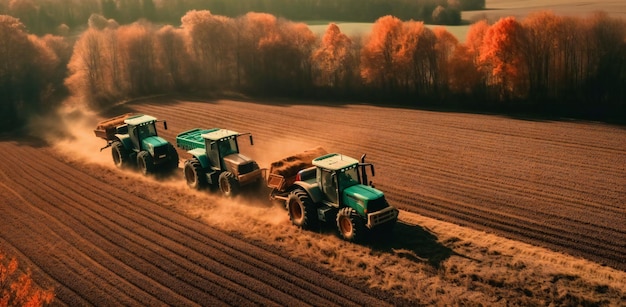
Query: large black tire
194	174
228	184
351	226
301	210
119	154
173	154
145	163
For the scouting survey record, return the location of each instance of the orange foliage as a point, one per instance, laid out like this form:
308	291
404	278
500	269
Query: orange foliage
501	52
474	39
172	60
377	56
544	51
445	47
260	30
19	290
464	75
274	51
332	55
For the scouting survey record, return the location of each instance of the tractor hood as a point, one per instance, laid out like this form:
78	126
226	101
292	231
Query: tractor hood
152	142
364	199
237	159
363	192
239	164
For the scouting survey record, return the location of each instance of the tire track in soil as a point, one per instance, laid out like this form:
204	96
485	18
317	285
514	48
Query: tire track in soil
84	244
519	228
239	279
571	198
93	218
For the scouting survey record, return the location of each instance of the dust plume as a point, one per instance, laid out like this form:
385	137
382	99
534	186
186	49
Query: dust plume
267	151
70	132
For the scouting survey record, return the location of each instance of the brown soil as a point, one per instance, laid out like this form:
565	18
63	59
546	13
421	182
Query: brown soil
104	236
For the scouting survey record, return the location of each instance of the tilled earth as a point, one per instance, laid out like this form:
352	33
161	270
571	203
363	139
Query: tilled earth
97	237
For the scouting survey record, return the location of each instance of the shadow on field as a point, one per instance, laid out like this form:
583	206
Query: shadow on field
23	139
415	243
127	106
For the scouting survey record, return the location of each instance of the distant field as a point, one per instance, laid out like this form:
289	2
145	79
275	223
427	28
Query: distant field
497	9
356	28
520	8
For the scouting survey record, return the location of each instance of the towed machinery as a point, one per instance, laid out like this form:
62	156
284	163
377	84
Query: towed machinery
134	140
331	187
216	160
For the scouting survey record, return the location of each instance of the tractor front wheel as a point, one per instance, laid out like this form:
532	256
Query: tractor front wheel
350	225
301	210
119	154
228	184
145	162
194	175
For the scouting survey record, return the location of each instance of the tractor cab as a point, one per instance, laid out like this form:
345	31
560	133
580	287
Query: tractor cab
343	182
335	173
220	143
142	132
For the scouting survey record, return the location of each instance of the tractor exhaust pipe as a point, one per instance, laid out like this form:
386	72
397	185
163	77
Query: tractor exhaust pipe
364	179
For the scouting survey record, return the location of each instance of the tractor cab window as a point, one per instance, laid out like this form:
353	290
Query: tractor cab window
228	146
328	184
348	177
146	130
214	157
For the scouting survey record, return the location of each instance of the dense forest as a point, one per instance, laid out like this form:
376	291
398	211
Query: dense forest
568	66
50	16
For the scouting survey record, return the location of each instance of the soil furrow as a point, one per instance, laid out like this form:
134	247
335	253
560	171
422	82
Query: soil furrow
206	241
100	248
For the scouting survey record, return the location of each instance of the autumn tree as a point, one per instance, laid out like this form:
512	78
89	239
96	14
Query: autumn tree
450	15
471	74
294	59
607	55
445	48
255	34
379	62
400	57
211	43
26	11
95	73
62	48
418	56
173	62
27	66
542	50
501	53
332	57
137	59
273	54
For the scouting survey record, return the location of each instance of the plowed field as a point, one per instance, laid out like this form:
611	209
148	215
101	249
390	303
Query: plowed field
104	236
558	184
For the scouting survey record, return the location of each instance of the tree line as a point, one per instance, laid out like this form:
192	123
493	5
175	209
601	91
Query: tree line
59	16
543	62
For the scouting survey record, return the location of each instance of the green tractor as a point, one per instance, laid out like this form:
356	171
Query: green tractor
216	161
134	140
335	189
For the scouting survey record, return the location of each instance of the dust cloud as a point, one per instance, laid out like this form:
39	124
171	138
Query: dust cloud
70	132
267	151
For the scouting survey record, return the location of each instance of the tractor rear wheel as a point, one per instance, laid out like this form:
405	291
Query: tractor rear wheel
145	162
119	154
301	210
228	184
194	174
350	225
